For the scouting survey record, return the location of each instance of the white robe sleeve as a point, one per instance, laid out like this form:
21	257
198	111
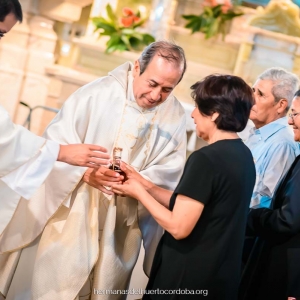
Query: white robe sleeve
26	179
17	144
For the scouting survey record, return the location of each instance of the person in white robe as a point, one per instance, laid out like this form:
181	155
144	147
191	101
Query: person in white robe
71	236
26	159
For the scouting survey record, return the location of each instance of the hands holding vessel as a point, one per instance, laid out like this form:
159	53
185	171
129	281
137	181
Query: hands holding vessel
110	182
134	184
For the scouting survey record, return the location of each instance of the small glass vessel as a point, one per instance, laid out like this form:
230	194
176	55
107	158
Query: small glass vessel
116	164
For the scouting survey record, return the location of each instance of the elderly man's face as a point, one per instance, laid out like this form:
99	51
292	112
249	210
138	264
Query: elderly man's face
265	110
156	83
294	118
8	23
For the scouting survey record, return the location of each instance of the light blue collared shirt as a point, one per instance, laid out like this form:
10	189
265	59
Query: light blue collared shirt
274	150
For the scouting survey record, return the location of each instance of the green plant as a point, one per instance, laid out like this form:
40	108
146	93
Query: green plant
123	32
214	20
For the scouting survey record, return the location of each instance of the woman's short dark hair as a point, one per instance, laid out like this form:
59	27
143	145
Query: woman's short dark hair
10	6
230	96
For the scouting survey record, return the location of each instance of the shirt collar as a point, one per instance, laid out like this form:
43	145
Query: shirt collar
269	129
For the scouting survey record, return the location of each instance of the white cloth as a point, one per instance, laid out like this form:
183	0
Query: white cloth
25	162
17	144
103	112
26	179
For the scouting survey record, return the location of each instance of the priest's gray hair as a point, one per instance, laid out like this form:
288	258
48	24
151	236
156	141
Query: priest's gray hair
167	50
285	85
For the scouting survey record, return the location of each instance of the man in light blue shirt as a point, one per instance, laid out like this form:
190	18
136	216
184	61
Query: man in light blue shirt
271	141
274	151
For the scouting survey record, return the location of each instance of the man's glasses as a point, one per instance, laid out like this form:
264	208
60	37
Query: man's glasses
293	115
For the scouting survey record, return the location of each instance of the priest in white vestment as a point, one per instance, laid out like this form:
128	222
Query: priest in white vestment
70	235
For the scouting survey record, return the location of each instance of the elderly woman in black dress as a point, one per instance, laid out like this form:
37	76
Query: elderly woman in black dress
204	219
273	268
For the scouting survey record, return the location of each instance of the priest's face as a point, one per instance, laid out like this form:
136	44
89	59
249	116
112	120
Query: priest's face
8	23
156	83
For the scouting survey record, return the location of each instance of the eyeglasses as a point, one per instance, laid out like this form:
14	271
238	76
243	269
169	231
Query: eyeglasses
293	115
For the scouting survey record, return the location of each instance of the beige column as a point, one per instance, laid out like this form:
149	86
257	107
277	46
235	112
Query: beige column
162	15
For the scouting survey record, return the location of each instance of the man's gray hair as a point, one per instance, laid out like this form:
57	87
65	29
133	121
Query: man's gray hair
285	86
167	50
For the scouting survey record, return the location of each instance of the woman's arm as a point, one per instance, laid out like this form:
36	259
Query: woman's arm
179	223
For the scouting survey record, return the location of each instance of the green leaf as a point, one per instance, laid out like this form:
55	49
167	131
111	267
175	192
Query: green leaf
96	19
135	43
106	27
197	25
217	10
223	29
122	47
116	47
111	14
111	49
213	28
189	17
125	40
191	24
208	11
231	14
137	35
109	33
140	23
114	40
148	39
127	31
194	24
99	22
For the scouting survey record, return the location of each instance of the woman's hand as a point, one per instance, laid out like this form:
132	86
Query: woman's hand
131	173
83	155
130	187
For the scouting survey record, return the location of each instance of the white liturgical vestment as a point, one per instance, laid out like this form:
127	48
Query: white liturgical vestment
68	229
25	162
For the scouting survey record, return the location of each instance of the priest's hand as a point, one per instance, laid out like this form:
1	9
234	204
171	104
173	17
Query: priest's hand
102	179
83	155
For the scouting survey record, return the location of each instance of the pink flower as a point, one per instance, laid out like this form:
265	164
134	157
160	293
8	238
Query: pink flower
127	12
127	21
129	17
226	4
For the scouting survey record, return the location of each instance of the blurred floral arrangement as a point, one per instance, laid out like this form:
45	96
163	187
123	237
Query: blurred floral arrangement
123	32
215	18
